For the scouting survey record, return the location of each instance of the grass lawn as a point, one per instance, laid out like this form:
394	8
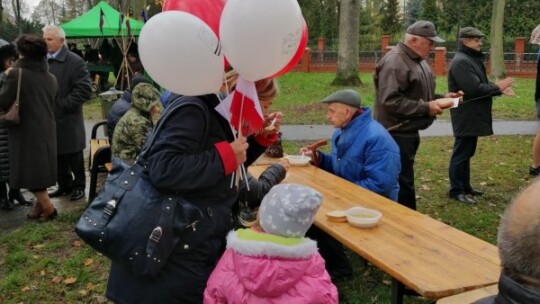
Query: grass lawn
301	94
47	263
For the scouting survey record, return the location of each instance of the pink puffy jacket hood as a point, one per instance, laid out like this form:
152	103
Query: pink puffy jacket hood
263	268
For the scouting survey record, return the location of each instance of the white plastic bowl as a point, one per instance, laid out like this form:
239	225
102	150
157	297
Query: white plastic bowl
298	160
363	217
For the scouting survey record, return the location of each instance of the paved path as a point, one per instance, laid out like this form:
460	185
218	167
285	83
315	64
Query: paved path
439	128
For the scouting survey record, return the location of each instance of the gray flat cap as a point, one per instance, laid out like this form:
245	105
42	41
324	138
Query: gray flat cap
348	97
470	32
425	29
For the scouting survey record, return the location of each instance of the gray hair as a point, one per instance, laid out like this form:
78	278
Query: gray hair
55	28
519	235
408	38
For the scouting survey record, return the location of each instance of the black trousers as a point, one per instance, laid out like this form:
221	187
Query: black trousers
459	170
408	146
71	171
332	251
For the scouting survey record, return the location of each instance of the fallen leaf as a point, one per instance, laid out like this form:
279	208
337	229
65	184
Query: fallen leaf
425	187
90	286
483	184
77	244
26	288
83	292
70	280
101	299
39	246
56	280
42	273
88	262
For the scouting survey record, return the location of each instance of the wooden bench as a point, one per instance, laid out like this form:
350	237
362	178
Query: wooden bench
99	160
470	296
428	257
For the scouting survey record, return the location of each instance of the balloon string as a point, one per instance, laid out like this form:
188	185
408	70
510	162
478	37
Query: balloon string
243	173
242	169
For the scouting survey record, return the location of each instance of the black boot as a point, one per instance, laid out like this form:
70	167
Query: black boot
15	194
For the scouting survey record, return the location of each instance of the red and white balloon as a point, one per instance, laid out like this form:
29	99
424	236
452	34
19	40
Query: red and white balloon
260	37
181	53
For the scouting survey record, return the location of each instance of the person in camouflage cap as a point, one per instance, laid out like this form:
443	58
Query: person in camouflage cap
133	128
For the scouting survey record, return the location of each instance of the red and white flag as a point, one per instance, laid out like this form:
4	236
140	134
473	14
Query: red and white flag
244	109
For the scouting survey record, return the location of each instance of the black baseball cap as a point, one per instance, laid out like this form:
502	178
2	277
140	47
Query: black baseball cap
425	29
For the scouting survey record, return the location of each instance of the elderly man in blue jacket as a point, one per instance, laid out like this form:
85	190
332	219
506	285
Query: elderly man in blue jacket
364	153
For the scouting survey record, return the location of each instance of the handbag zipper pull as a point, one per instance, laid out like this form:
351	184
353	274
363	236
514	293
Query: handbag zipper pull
192	225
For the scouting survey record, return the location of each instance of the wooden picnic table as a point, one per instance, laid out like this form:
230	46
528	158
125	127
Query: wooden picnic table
429	257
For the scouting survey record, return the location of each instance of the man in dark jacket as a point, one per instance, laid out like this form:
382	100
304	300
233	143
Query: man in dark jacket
405	93
74	90
519	232
473	117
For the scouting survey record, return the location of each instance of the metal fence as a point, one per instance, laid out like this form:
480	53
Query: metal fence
526	63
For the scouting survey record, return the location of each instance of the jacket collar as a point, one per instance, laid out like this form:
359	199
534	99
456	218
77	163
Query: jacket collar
360	118
412	54
252	243
511	291
62	54
31	64
471	52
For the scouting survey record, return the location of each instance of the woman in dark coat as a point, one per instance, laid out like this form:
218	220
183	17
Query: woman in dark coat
7	56
32	142
184	159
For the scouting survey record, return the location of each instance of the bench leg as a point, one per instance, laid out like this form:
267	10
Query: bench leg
398	291
93	183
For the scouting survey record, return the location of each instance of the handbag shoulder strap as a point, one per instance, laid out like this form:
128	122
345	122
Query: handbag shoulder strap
173	107
18	86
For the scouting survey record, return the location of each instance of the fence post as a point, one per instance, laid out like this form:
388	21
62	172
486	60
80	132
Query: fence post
439	63
385	42
519	49
321	44
306	61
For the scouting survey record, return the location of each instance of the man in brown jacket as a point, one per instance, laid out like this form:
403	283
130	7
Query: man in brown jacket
405	93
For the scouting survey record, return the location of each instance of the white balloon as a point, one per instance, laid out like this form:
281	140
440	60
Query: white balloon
181	53
260	37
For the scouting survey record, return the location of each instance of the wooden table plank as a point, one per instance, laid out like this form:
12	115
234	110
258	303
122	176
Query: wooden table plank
470	296
430	257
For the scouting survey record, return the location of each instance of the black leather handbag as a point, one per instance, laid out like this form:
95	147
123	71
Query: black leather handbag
133	223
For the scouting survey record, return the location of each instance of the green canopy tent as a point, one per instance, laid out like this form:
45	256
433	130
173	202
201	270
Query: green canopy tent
87	25
113	26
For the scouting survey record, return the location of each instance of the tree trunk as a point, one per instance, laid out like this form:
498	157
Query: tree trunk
53	11
18	19
496	57
348	61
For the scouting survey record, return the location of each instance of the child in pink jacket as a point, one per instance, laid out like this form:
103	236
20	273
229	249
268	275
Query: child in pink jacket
272	262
